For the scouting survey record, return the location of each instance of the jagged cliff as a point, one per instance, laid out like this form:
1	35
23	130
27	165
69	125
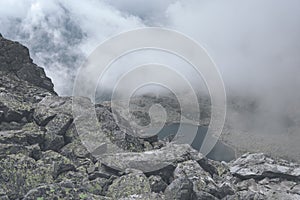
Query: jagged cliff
42	156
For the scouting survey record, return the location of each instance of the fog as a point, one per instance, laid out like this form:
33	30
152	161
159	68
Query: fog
60	33
254	43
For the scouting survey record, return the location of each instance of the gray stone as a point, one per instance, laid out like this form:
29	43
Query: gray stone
50	107
15	59
157	184
97	186
127	185
20	173
180	189
295	189
61	191
56	162
150	196
14	108
259	166
151	161
28	135
53	142
202	180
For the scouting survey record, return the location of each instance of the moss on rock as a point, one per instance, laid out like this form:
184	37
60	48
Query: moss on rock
136	183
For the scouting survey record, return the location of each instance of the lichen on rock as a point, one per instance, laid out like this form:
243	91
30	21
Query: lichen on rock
42	155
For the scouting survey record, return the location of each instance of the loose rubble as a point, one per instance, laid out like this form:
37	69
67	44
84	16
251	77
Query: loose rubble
42	156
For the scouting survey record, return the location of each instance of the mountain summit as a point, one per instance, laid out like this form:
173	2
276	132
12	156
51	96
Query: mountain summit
42	156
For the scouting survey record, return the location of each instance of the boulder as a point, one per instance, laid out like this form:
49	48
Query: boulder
61	191
97	186
202	181
127	185
157	184
29	134
13	109
150	196
259	166
56	163
20	173
151	161
180	189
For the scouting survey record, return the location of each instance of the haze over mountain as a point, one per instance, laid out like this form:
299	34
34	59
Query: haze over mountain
48	153
254	43
248	40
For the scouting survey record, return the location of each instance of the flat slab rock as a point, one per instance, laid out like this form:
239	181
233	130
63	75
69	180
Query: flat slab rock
259	166
151	160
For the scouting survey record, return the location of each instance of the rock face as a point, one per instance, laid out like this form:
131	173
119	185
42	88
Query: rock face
22	84
42	156
14	59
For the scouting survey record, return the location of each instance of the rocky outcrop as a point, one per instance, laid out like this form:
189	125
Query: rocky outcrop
42	156
15	59
22	84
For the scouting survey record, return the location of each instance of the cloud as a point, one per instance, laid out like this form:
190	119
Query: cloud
246	38
153	13
60	33
255	43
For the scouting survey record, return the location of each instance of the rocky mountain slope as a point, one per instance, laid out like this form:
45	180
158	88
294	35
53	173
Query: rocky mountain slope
42	156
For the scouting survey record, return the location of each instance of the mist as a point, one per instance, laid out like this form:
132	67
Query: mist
254	43
61	34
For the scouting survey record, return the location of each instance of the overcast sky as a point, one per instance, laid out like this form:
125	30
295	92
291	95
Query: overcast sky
254	43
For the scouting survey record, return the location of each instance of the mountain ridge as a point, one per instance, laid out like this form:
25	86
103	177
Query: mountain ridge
43	156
